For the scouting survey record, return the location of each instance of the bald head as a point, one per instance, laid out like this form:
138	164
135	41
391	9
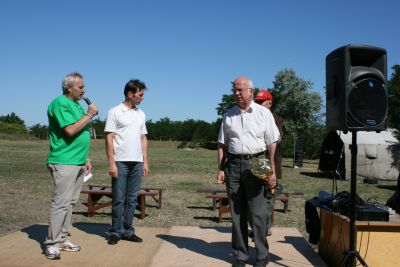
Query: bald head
243	81
243	91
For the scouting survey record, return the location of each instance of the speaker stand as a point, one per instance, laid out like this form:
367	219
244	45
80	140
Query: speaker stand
350	256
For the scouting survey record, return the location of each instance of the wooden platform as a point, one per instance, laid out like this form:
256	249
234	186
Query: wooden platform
179	246
378	242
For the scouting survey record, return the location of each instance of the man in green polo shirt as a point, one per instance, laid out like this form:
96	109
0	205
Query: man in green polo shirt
67	161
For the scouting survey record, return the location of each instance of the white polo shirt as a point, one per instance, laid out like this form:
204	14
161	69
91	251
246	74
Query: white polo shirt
128	125
248	132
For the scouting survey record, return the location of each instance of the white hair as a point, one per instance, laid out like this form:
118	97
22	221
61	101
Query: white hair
251	85
70	80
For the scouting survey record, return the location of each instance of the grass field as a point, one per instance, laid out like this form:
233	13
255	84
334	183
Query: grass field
26	187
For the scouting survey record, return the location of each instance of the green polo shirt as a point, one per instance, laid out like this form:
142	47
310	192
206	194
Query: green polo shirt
68	150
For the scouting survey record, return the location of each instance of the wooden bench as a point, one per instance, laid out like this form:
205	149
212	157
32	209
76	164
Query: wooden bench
284	197
213	191
223	203
96	192
220	197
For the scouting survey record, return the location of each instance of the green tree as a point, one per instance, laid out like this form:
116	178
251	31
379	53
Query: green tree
11	124
300	112
40	131
394	99
394	122
294	102
12	118
227	102
98	126
164	129
12	128
187	130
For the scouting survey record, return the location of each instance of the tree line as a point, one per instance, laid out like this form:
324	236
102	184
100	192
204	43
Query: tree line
294	101
195	131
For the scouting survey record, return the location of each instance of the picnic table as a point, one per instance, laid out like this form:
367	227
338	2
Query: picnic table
96	192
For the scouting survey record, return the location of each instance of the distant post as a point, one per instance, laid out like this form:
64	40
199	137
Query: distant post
298	153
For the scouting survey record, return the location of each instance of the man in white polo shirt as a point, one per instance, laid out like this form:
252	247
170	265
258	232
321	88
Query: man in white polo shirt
246	132
126	148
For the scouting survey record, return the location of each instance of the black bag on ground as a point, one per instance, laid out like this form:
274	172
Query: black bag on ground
313	223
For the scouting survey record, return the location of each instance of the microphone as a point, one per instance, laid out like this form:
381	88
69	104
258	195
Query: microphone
88	102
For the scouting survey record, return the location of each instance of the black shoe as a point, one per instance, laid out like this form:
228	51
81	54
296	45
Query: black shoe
132	238
269	232
113	240
262	263
239	263
251	234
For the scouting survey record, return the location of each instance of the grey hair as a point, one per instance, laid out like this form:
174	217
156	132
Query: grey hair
70	80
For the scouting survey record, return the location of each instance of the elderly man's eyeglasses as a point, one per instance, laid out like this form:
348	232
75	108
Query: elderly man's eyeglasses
234	90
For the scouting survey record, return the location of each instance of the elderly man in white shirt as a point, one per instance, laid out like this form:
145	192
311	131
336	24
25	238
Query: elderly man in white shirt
247	131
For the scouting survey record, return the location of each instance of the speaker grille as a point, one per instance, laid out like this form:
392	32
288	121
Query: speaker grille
367	104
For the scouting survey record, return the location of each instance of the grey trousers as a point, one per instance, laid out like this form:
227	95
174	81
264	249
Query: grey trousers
247	201
68	181
270	208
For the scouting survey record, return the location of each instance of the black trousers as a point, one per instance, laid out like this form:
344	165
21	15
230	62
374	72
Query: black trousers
248	202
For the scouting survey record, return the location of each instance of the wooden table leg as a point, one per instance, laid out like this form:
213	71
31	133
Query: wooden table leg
159	199
90	205
214	200
142	207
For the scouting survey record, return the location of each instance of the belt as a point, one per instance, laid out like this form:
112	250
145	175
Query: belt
245	156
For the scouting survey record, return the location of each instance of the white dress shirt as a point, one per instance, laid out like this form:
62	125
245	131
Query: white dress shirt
248	132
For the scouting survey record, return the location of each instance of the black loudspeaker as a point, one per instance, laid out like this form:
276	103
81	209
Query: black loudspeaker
356	93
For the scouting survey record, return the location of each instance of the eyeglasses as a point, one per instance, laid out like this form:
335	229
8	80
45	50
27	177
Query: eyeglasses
234	90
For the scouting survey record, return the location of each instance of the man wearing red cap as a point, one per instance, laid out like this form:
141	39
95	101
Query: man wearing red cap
264	98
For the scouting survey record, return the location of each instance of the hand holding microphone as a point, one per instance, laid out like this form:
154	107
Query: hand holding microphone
88	102
92	109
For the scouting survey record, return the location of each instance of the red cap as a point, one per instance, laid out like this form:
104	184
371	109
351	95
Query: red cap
263	95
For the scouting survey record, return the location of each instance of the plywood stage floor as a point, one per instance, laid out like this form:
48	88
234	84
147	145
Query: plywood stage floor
162	247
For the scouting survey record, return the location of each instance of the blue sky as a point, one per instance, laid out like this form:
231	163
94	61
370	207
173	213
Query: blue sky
186	51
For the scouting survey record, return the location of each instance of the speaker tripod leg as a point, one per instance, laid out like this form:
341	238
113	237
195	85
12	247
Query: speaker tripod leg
350	256
349	259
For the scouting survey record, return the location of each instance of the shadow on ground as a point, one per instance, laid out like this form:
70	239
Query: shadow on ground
217	250
36	232
99	229
200	207
213	219
199	246
387	187
302	247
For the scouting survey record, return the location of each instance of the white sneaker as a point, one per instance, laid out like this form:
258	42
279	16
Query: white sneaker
52	253
69	246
